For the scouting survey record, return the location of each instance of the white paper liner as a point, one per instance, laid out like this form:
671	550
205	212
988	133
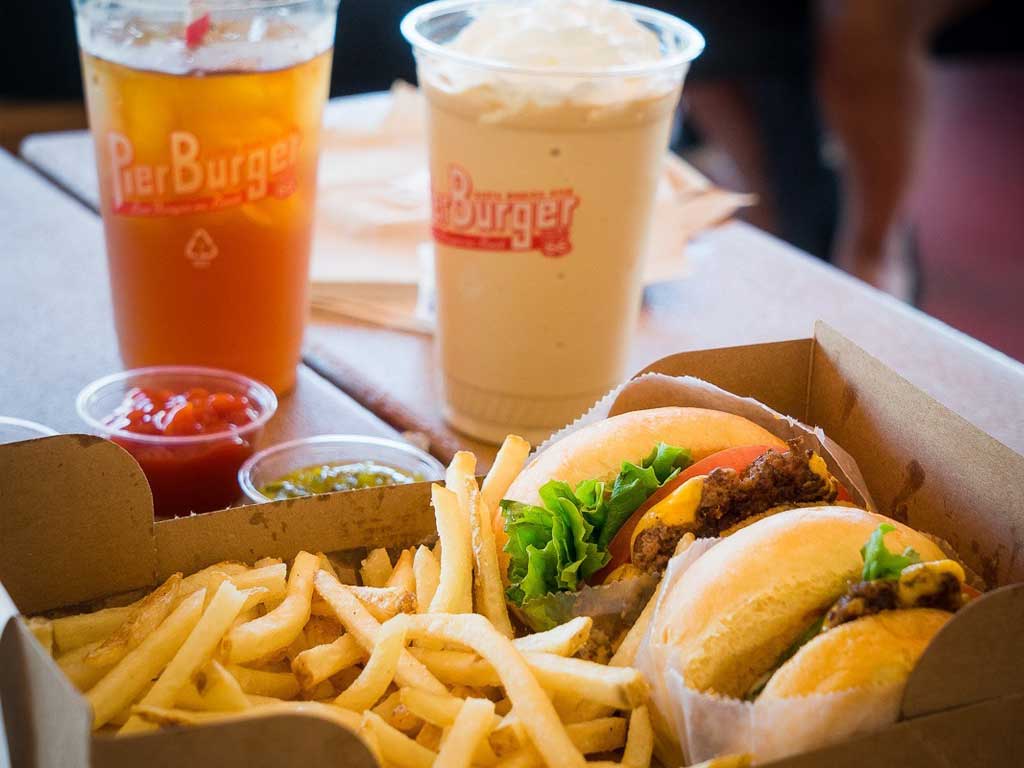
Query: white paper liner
707	725
653	390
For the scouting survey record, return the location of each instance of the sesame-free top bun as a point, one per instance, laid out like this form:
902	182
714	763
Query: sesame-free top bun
749	598
598	450
877	649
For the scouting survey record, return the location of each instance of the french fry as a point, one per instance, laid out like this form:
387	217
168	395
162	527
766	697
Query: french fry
457	667
187	698
483	755
273	578
201	579
376	568
194	652
126	680
145	617
317	664
71	632
508	736
42	630
326	564
461	468
439	710
171	716
260	682
591	737
601	735
324	692
379	671
539	719
262	637
322	630
83	676
488	588
563	640
507	464
430	736
381	602
220	690
471	727
402	576
385	602
395	747
396	714
640	741
617	687
364	628
427	573
454	591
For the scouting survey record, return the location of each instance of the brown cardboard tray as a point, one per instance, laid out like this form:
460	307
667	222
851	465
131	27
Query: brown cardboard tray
76	525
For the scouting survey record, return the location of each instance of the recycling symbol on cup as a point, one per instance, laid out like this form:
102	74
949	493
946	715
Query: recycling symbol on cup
200	249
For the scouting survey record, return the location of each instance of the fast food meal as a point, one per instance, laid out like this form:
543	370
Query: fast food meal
611	501
419	658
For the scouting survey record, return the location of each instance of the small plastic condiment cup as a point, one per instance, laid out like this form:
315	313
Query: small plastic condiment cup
193	473
14	430
275	462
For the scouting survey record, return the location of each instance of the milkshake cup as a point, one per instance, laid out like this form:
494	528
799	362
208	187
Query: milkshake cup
548	123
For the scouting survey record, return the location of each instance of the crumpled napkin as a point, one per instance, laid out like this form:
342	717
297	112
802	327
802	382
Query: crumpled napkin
372	256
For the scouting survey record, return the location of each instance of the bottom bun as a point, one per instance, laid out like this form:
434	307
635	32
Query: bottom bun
873	650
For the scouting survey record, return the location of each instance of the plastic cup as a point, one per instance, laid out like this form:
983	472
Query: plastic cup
279	460
543	184
206	121
14	430
195	473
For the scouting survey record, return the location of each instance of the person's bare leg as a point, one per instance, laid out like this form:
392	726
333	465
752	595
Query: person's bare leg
725	117
871	79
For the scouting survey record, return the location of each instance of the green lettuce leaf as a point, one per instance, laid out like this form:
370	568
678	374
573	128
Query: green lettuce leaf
558	546
879	562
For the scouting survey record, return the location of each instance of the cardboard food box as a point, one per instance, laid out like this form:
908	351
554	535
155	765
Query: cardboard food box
76	526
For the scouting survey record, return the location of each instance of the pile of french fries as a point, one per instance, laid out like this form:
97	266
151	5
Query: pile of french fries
419	658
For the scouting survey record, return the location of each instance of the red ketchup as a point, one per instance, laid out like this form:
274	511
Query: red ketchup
191	445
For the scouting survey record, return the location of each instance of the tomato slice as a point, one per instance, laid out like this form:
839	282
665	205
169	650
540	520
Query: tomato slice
738	458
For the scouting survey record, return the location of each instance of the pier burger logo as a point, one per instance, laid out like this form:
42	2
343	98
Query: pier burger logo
194	181
502	221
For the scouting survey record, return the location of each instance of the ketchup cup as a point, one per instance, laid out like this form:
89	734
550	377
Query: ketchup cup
189	428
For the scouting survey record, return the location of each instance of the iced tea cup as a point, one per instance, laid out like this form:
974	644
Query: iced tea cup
206	120
547	134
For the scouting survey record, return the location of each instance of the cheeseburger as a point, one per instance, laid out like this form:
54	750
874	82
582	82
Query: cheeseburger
611	501
808	601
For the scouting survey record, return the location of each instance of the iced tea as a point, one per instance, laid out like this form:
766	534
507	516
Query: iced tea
207	153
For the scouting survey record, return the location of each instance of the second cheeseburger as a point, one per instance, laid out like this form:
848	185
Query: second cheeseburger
613	499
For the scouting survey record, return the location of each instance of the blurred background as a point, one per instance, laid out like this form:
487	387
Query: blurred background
882	135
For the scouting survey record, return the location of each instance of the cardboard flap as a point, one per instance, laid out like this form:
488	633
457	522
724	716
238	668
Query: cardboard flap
264	741
48	724
382	517
68	504
983	735
925	465
774	374
978	655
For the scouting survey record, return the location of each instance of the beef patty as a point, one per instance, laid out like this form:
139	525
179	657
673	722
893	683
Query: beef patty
729	497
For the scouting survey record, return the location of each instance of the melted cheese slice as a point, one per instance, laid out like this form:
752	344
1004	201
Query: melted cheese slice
678	508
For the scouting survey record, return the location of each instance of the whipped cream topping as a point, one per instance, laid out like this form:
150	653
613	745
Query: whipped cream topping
559	34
